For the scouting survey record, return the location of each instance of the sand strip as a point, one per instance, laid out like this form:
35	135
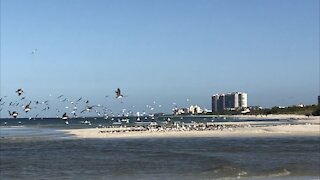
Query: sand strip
246	131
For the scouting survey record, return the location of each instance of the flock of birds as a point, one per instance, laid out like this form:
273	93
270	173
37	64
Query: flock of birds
28	105
99	110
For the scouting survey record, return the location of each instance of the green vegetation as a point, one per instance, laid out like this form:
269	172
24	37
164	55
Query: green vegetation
306	110
309	110
316	112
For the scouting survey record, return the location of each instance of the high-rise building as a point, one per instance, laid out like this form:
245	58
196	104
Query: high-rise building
215	103
243	100
230	101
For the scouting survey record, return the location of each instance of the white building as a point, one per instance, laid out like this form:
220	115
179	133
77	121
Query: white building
178	111
229	101
194	109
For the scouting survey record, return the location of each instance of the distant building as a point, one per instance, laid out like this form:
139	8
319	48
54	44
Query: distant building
178	111
195	109
255	108
230	101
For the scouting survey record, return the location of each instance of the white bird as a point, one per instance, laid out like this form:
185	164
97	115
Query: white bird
65	118
27	108
14	114
118	93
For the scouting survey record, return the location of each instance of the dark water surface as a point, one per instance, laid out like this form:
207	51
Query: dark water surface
42	154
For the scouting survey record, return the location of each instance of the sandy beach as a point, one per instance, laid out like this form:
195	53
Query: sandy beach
287	126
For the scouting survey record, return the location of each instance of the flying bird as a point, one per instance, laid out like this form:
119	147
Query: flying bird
34	51
118	93
64	100
27	108
79	99
65	118
19	91
88	108
14	114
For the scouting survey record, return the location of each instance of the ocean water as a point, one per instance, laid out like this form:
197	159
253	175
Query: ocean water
41	152
96	122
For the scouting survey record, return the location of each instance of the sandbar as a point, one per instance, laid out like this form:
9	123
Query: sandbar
297	126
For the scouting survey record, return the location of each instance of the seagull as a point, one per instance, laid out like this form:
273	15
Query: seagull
64	100
65	118
59	96
14	114
79	99
118	93
88	108
34	51
27	108
19	91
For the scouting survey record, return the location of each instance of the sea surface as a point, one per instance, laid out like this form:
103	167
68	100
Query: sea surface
77	123
36	149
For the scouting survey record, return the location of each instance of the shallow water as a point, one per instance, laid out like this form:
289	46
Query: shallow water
41	154
95	122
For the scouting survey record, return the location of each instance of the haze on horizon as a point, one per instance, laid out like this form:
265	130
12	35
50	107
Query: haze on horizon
163	51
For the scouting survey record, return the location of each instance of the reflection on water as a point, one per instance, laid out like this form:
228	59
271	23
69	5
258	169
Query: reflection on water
160	158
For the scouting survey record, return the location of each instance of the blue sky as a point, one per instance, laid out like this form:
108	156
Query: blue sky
162	50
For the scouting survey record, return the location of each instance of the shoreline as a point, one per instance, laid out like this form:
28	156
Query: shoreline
251	126
286	127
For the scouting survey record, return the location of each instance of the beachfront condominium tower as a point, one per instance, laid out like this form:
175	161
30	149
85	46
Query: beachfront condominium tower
230	101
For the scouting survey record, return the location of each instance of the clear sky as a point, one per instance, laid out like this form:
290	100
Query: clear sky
162	50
